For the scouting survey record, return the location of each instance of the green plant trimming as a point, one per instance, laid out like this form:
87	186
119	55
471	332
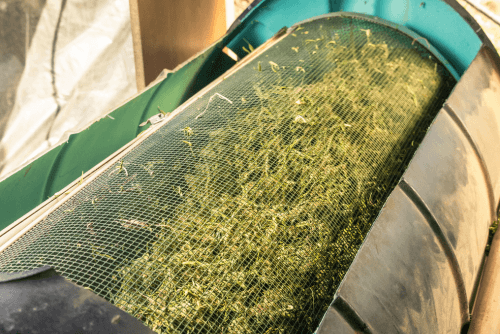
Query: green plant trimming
281	197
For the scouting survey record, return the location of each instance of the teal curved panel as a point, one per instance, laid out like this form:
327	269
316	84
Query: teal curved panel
435	20
21	192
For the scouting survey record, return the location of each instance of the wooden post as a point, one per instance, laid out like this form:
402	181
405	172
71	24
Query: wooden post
168	32
136	38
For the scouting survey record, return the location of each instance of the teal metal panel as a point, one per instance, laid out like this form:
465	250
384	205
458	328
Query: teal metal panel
89	147
22	191
435	20
446	30
269	16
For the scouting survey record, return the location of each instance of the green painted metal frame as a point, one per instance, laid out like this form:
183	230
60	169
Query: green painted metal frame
444	24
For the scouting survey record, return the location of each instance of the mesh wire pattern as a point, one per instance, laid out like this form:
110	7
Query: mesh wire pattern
244	212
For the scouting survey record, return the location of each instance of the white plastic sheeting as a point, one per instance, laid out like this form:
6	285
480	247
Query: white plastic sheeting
230	12
92	72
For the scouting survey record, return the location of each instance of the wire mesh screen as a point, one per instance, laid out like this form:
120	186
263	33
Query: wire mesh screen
244	212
